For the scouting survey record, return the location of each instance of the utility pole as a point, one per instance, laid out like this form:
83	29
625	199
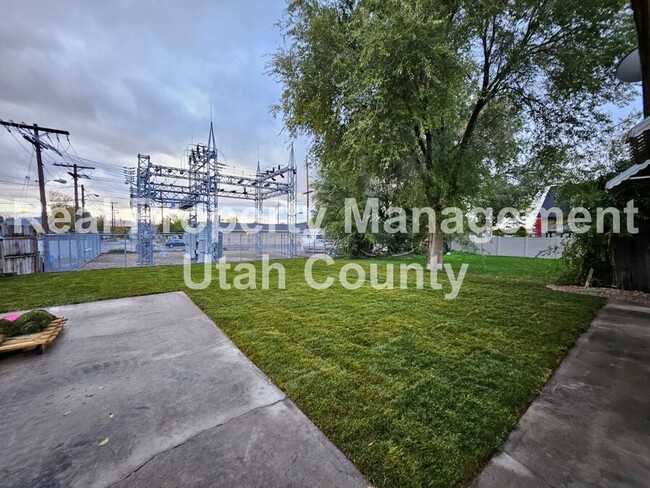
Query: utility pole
36	142
112	217
75	176
308	190
83	202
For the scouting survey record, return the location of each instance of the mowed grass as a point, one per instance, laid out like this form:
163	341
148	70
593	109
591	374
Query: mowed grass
416	390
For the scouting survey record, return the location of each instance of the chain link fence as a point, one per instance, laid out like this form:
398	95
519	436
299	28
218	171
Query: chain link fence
121	250
68	252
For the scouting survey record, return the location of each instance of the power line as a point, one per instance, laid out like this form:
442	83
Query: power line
15	182
75	176
28	176
34	139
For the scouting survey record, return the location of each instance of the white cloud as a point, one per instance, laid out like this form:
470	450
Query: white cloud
129	77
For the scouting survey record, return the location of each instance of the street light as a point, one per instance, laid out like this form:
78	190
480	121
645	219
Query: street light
57	180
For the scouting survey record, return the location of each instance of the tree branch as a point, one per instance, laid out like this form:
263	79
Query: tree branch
418	137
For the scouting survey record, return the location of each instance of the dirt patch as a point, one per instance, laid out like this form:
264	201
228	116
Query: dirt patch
614	293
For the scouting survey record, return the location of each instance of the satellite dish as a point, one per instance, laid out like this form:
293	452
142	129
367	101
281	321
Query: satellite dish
629	70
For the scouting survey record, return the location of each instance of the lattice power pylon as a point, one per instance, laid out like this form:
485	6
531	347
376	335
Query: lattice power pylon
143	200
198	188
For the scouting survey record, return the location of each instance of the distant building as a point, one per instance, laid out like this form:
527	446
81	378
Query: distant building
542	206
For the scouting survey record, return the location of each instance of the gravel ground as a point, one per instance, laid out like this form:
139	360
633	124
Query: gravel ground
116	260
615	293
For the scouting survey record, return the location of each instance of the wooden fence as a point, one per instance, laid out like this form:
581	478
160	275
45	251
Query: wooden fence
18	250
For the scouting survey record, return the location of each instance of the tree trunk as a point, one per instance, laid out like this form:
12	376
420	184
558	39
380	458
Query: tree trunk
436	239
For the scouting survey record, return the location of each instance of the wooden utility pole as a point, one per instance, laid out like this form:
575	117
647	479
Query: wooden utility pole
307	174
308	192
83	202
112	217
36	142
41	182
641	10
75	176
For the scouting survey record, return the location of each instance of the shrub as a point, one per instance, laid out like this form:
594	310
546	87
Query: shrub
593	249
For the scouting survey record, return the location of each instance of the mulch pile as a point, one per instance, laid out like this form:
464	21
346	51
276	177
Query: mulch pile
614	293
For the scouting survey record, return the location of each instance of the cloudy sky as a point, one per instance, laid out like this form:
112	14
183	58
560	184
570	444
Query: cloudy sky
129	77
138	77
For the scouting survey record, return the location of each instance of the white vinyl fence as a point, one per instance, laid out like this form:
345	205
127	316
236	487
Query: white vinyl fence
522	247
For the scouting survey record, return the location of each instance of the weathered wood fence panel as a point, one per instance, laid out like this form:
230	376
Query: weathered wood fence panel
18	250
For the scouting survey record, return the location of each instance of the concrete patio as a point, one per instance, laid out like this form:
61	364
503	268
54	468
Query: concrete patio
149	392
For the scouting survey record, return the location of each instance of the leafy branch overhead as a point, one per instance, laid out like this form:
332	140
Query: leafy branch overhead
446	95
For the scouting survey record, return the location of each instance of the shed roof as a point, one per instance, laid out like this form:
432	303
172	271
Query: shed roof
639	140
638	171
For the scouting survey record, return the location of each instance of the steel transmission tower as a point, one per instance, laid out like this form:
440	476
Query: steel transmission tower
197	189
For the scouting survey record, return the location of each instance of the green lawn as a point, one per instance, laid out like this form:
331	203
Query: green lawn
416	390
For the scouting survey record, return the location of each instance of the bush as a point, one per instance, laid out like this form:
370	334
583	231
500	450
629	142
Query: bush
592	249
521	232
585	252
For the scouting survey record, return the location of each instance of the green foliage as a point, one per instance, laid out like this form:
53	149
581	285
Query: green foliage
593	249
333	191
101	224
176	225
521	232
449	103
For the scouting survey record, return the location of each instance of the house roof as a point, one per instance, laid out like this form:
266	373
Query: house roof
637	171
639	128
550	199
639	140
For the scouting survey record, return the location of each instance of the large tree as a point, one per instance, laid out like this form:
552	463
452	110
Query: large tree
445	96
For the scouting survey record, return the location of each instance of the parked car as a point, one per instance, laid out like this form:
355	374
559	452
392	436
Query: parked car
315	241
174	241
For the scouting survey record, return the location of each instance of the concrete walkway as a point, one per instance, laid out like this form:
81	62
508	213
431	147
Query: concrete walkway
149	392
590	427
